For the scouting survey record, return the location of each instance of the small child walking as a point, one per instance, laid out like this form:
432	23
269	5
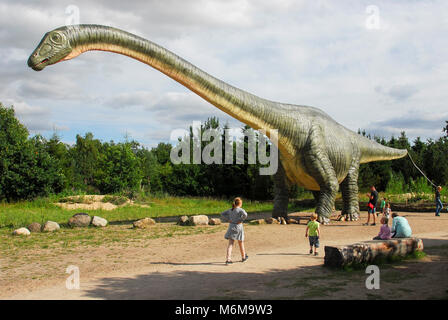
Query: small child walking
313	233
383	205
235	216
387	211
384	233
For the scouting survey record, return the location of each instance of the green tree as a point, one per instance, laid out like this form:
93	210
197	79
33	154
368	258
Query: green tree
118	169
27	170
85	153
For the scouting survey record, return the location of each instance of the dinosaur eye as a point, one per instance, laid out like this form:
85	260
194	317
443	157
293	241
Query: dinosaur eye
56	38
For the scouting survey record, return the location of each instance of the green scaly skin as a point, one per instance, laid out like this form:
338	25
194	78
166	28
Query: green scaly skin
316	152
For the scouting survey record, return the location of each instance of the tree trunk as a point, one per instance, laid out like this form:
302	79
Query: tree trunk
339	256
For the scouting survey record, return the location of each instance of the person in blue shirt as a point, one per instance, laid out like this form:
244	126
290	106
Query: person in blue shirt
400	227
439	205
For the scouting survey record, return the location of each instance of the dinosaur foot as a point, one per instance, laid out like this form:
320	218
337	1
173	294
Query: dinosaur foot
324	220
349	217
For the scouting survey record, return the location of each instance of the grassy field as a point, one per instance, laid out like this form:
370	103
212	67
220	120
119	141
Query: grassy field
20	214
41	210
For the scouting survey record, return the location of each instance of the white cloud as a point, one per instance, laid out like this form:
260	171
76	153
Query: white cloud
304	52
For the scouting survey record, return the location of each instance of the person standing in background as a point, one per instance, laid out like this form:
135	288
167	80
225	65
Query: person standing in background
439	205
236	215
371	206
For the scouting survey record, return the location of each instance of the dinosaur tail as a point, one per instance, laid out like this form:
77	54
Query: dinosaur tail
373	151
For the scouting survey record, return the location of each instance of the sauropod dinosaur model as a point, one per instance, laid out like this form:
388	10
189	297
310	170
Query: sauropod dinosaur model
315	151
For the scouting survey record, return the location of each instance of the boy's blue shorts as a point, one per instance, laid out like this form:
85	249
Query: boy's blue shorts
314	241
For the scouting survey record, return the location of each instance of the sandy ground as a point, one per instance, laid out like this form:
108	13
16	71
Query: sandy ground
279	267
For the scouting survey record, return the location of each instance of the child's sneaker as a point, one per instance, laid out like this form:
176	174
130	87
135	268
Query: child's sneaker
316	253
311	251
245	258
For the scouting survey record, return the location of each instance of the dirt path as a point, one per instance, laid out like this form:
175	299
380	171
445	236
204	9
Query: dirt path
191	267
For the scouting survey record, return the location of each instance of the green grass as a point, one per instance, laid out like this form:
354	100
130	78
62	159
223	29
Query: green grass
21	214
116	200
67	238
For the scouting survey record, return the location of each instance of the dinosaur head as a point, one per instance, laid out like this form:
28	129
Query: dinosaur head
53	48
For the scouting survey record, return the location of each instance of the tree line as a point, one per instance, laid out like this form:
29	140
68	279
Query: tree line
33	166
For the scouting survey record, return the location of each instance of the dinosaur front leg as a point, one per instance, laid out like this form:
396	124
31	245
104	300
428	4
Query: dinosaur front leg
327	195
281	193
349	188
321	169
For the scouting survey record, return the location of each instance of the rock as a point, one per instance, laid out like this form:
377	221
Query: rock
99	222
80	220
183	221
259	221
143	223
272	221
35	227
292	221
214	221
21	232
368	251
50	226
282	221
199	220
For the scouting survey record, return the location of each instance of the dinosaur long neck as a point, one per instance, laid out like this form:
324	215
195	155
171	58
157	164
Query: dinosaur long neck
247	108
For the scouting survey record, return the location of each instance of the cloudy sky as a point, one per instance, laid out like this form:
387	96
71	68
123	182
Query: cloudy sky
377	65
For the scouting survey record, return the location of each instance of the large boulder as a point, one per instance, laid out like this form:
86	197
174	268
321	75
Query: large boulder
50	226
35	227
143	223
99	222
258	221
293	221
183	221
21	232
369	251
271	220
80	220
214	221
200	220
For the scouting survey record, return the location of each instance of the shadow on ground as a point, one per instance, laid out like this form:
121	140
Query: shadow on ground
412	279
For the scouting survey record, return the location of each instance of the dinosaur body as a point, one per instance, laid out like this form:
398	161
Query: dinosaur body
315	151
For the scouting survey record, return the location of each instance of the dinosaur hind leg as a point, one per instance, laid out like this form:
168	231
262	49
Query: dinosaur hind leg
281	193
349	189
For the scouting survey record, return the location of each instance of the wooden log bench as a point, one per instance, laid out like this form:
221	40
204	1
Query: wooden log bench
368	251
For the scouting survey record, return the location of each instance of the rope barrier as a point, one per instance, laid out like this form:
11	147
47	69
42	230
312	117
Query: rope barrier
409	154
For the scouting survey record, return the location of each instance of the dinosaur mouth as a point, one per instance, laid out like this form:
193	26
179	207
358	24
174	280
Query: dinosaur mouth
38	66
43	61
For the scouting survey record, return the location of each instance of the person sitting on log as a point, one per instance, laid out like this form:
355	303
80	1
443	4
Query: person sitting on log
384	233
400	227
